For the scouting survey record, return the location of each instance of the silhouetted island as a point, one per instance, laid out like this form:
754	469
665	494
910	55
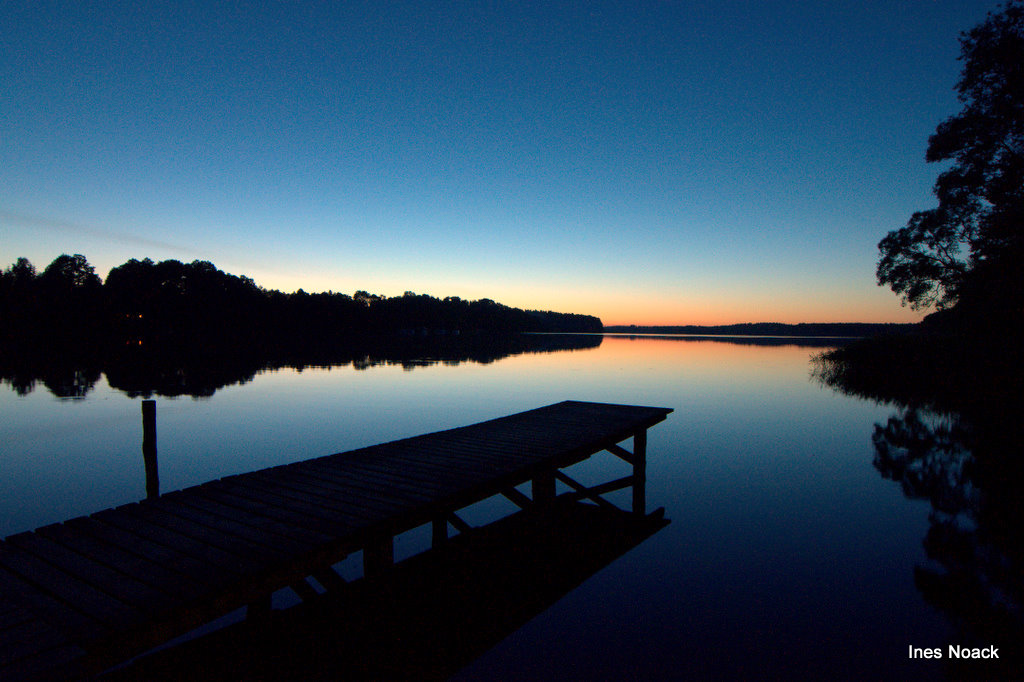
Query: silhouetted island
194	304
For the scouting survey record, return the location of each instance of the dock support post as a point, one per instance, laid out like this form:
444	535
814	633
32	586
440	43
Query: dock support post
640	472
439	532
260	609
543	486
149	448
378	555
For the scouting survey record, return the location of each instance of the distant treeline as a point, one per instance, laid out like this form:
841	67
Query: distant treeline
839	329
173	303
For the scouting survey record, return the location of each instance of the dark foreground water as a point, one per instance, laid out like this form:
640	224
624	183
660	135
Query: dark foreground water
789	554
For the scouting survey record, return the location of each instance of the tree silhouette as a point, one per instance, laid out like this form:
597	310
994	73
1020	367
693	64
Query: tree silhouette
20	274
967	248
69	298
70	273
18	299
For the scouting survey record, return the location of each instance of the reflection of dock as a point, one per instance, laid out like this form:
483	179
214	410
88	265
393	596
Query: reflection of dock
434	614
81	596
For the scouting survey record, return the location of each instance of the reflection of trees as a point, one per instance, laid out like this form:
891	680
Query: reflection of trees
72	382
925	454
20	383
64	376
200	372
954	441
974	542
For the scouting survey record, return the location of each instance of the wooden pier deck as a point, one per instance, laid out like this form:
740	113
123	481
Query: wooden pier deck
86	594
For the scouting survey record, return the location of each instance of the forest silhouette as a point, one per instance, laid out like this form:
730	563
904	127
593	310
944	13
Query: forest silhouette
176	305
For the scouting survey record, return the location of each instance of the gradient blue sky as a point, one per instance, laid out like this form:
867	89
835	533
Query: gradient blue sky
648	162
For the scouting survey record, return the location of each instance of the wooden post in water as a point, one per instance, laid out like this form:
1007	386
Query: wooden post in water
261	608
149	448
640	472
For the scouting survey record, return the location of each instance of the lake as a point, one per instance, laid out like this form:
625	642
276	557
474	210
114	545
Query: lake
788	553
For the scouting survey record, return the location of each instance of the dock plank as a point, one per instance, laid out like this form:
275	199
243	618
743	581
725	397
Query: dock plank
197	570
273	505
215	560
320	496
125	588
360	495
427	479
355	493
382	493
250	552
76	626
243	537
76	593
156	574
269	528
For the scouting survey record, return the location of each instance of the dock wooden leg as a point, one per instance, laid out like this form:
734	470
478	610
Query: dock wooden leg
544	488
378	556
640	472
260	608
330	579
439	532
305	591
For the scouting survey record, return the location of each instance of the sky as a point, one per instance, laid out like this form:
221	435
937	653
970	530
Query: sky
690	162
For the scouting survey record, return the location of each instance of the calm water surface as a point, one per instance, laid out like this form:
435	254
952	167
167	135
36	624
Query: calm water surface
787	554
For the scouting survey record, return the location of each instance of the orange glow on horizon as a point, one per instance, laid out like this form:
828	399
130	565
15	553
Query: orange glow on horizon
717	306
636	307
793	313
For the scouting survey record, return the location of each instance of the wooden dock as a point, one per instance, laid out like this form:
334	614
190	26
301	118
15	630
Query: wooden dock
79	597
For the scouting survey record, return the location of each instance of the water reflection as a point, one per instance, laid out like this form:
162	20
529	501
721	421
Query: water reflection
172	372
976	575
433	613
789	556
65	379
962	456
